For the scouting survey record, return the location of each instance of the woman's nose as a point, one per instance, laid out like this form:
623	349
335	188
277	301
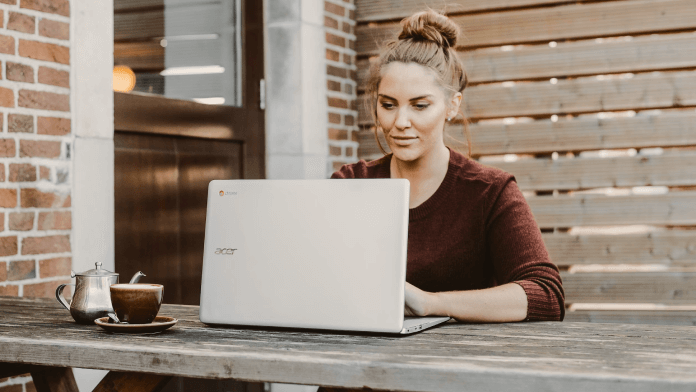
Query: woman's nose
402	120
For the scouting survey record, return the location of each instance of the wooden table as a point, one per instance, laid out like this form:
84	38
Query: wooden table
38	336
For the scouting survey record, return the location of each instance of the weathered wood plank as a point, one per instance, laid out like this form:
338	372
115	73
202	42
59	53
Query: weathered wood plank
583	95
661	317
378	10
580	58
630	287
670	247
669	129
132	381
669	169
556	356
130	5
612	18
674	208
53	379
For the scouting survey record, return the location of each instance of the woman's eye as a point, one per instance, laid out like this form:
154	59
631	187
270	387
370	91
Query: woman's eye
421	106
387	105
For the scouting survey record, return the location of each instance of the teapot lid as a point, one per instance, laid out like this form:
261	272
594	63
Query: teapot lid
97	271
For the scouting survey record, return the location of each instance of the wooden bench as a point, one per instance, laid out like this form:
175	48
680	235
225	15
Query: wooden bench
592	106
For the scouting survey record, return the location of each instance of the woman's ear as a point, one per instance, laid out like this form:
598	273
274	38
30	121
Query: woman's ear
455	103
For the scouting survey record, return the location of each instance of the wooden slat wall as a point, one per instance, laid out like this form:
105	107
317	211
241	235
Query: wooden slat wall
592	106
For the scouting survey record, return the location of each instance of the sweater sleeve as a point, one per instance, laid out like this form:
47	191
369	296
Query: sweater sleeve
518	253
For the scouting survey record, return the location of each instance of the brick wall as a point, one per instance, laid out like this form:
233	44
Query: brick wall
35	151
339	20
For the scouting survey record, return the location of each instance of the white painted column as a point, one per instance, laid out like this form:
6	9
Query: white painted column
92	104
296	103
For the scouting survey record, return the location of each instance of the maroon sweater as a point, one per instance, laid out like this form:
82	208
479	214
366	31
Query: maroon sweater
475	231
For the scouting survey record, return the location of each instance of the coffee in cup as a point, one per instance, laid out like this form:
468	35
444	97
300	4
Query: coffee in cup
136	303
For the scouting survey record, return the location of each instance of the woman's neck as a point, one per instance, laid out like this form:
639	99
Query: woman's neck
425	174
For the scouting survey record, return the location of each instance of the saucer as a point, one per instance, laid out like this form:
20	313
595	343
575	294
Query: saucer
158	325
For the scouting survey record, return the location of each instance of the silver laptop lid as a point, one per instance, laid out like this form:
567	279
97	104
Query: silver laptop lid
326	254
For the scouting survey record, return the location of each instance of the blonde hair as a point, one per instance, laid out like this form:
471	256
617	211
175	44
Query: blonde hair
427	38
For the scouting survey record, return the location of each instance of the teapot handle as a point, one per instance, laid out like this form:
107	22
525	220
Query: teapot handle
59	295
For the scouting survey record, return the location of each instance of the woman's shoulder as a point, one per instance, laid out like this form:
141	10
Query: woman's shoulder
474	171
363	169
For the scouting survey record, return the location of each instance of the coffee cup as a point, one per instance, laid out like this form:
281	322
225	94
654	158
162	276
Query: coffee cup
136	303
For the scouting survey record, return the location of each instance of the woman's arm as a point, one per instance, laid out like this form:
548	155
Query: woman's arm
505	303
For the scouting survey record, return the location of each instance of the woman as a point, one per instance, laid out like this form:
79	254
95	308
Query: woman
475	252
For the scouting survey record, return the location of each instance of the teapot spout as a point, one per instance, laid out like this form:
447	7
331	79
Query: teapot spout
136	277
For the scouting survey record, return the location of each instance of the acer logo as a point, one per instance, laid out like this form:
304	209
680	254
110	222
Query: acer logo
224	251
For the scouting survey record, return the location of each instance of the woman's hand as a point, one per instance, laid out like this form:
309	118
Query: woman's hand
418	302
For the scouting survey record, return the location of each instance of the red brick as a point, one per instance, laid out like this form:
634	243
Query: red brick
7	97
60	7
55	220
350	120
34	198
331	70
348	59
21	270
48	244
346	27
3	273
8	198
351	14
54	77
39	148
333	55
23	123
7	44
13	2
44	100
54	29
334	8
7	148
333	85
334	118
354	136
349	151
45	173
55	267
2	221
53	126
338	103
45	289
14	292
8	246
338	134
351	44
330	22
22	172
21	22
12	388
44	51
2	173
334	150
337	165
21	221
19	72
330	38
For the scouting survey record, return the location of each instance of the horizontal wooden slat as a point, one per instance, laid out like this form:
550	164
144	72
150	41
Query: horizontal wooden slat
677	128
641	54
630	287
663	317
674	208
677	247
670	169
146	55
376	10
611	18
138	26
129	5
583	95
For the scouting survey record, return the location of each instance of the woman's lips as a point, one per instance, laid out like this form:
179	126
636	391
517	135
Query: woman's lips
403	141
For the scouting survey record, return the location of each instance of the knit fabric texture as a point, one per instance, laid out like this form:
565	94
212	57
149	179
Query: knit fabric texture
476	231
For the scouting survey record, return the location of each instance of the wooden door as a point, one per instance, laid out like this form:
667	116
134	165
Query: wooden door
168	150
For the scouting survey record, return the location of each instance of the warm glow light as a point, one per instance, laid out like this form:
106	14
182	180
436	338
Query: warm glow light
124	79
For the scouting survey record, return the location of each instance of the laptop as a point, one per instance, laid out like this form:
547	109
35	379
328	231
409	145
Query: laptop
310	254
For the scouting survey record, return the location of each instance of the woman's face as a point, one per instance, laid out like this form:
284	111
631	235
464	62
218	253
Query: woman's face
412	109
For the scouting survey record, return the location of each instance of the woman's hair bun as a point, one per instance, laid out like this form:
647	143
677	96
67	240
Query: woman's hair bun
430	26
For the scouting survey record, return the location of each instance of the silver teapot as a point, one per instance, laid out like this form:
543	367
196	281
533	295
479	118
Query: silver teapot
92	297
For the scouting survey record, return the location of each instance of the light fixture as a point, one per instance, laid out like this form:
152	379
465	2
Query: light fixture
124	79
